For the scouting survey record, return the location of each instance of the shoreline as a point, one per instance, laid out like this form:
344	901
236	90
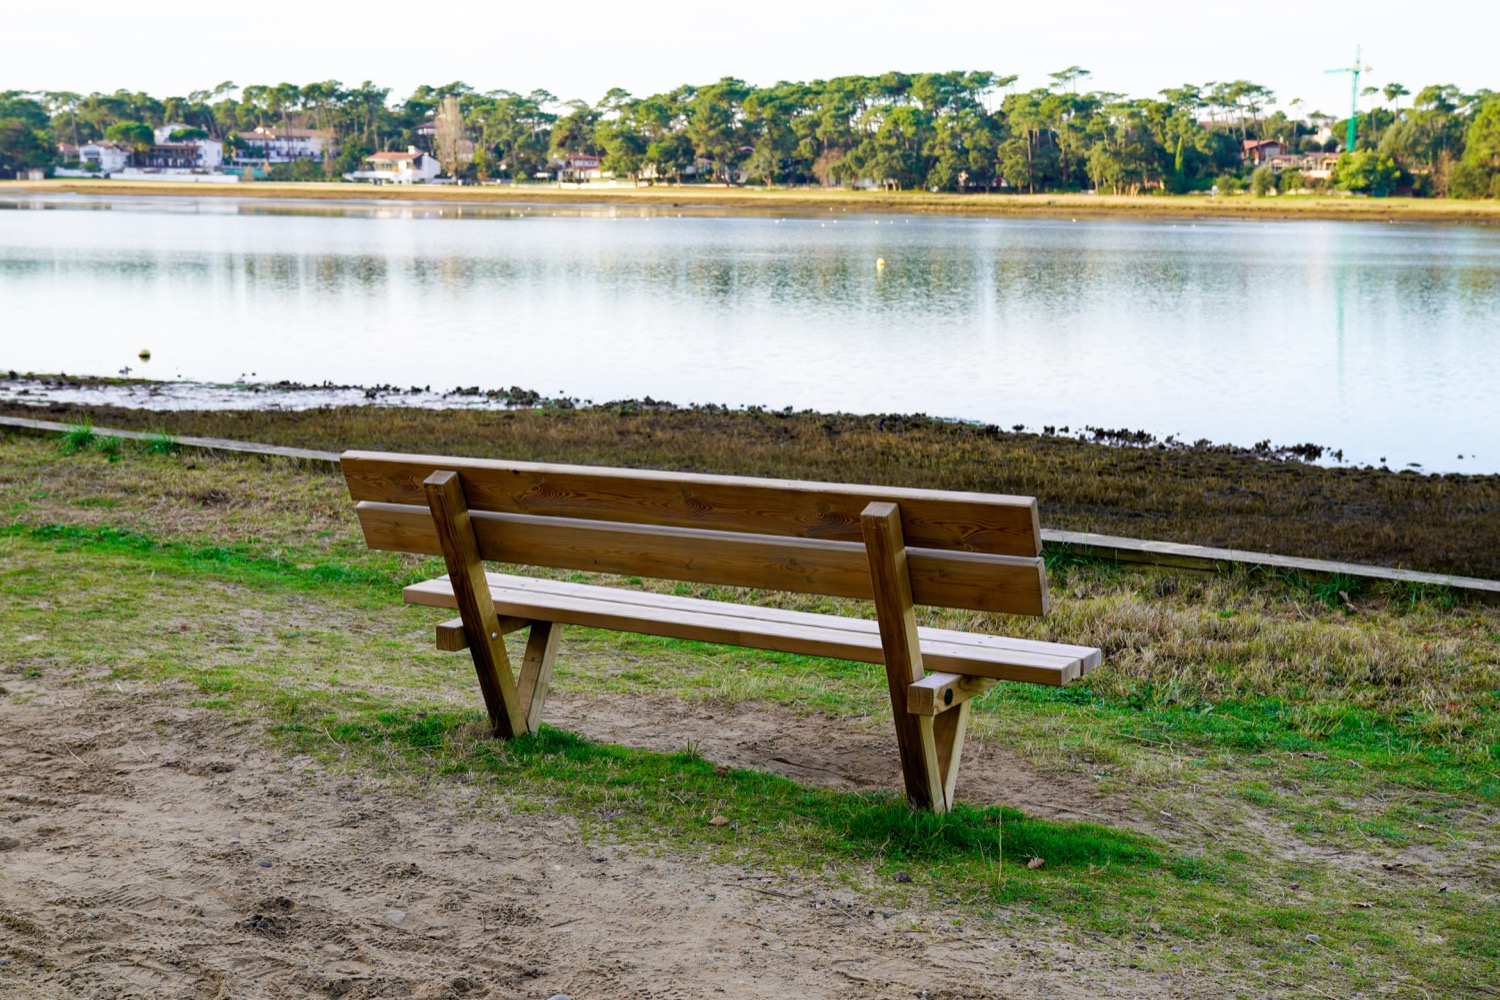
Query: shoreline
55	391
755	200
45	391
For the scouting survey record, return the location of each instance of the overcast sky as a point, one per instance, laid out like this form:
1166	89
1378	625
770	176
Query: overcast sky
580	48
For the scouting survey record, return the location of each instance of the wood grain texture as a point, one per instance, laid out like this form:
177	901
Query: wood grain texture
536	670
976	581
903	652
449	515
948	732
451	637
1052	664
977	522
938	692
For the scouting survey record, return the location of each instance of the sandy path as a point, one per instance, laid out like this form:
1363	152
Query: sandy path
152	850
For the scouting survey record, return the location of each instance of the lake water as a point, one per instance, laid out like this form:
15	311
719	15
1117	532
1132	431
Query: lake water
1380	340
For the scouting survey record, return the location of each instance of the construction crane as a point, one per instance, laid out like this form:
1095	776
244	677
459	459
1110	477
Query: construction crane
1354	71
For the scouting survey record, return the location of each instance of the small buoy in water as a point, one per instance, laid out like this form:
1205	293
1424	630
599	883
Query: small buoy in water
879	263
145	354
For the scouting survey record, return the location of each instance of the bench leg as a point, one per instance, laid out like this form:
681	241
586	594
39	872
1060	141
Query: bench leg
915	734
450	515
536	670
948	731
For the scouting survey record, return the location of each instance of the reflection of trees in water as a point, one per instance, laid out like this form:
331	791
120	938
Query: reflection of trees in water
285	273
1220	276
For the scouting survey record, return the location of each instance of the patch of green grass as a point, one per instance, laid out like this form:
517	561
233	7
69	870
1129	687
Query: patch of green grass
1399	746
78	437
238	561
160	442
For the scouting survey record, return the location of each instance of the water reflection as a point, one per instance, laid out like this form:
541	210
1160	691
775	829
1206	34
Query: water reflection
1373	338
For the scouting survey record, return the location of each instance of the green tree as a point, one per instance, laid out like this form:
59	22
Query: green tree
714	126
137	135
1477	175
573	133
624	147
1366	171
16	105
22	147
1262	181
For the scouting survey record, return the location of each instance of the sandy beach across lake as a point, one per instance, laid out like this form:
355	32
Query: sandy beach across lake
755	200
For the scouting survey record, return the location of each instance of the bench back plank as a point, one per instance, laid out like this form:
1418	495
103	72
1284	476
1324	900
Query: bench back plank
954	579
933	519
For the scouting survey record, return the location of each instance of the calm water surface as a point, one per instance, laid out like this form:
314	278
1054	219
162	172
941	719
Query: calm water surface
1378	339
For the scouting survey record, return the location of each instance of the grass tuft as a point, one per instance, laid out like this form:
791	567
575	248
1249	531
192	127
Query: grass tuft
111	447
160	442
78	437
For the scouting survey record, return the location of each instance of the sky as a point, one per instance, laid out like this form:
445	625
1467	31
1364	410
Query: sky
581	48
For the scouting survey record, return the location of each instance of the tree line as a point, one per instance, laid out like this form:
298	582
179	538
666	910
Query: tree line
954	131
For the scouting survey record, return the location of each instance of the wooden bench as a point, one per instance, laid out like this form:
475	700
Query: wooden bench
893	546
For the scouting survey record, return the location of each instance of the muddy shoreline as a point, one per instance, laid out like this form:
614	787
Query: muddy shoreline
46	392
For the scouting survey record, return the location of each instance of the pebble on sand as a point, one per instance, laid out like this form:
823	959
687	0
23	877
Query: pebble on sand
9	843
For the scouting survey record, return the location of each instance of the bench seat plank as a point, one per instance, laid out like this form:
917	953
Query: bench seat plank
757	627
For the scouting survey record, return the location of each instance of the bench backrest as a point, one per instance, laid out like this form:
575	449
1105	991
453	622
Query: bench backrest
964	550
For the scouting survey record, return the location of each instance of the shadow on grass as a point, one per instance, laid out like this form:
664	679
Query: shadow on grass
618	780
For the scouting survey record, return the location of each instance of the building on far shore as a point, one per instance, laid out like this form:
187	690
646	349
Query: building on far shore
103	157
283	145
410	167
1314	166
576	168
1259	151
189	154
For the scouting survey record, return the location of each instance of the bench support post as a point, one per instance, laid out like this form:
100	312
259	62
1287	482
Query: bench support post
536	670
948	731
455	529
922	758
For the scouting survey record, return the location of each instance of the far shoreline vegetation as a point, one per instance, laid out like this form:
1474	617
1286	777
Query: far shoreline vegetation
962	133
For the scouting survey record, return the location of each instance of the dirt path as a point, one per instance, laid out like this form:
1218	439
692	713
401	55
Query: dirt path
153	850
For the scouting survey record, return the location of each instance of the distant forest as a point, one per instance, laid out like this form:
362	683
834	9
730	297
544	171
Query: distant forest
956	131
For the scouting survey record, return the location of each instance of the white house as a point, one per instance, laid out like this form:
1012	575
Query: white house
190	154
283	145
410	167
576	168
106	155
